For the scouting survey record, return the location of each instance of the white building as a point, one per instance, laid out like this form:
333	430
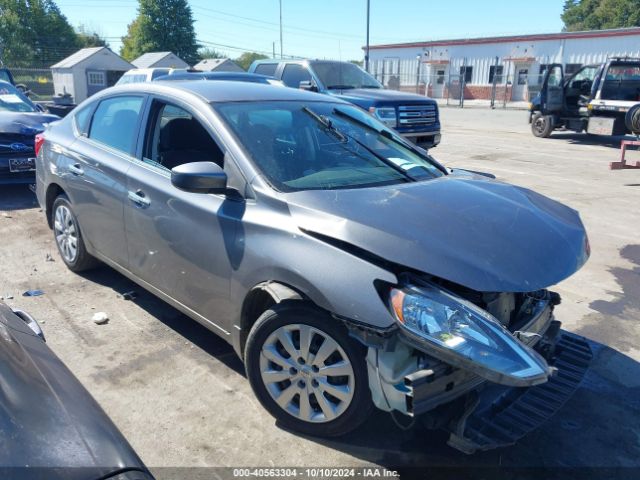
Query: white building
515	63
159	60
88	71
218	65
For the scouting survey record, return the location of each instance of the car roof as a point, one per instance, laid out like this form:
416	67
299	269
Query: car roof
227	91
215	76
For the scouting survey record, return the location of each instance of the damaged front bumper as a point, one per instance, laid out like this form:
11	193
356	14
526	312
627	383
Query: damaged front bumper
479	414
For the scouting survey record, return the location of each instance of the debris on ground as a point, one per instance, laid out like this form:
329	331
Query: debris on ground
6	215
100	318
130	295
8	296
49	258
33	293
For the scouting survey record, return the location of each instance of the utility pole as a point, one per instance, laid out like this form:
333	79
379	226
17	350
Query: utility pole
366	52
281	56
274	50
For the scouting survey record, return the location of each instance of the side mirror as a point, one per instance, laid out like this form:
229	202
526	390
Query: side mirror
199	177
308	85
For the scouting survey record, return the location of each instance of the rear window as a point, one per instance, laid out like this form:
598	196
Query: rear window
115	122
266	69
82	118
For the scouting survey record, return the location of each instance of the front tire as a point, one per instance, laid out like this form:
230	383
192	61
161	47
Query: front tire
541	125
307	372
66	233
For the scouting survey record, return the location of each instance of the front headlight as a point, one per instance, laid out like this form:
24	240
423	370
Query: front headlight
460	333
386	115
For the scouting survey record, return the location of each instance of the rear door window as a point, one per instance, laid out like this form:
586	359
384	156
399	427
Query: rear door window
82	119
294	73
115	122
268	69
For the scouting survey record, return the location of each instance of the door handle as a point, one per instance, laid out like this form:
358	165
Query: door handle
139	198
76	169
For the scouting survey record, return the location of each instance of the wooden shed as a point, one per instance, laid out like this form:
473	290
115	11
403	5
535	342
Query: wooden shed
88	71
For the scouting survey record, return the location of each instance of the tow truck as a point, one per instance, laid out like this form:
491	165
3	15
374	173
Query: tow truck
595	99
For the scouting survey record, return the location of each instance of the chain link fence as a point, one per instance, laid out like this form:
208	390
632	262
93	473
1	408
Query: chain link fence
37	82
504	91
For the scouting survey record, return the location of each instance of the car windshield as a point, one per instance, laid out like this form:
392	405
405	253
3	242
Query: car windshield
343	75
323	146
4	76
12	100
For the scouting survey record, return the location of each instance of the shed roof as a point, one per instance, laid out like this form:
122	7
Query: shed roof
97	57
213	63
77	57
148	60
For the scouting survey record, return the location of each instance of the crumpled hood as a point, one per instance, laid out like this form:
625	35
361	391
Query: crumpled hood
25	123
380	95
474	231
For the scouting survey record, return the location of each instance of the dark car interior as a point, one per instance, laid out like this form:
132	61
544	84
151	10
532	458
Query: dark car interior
177	138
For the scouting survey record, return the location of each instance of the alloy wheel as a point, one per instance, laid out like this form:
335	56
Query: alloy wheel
66	233
307	373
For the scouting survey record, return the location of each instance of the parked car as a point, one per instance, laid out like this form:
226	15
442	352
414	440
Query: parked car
137	75
20	120
414	116
51	426
234	76
347	267
595	99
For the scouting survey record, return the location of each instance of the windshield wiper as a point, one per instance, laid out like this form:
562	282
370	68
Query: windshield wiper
331	128
340	87
326	123
390	136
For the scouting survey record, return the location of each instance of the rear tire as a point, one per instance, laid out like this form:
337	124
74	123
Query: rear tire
68	238
541	125
316	387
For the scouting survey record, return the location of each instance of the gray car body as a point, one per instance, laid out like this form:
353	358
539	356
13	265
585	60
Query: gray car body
48	421
211	255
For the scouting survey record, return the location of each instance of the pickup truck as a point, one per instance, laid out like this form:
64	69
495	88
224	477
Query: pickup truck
594	99
413	116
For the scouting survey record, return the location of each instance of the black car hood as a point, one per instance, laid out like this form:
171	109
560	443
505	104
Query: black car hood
471	230
48	421
24	123
380	95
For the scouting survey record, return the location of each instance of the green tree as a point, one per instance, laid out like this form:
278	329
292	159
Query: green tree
34	33
247	58
600	14
89	38
161	25
208	52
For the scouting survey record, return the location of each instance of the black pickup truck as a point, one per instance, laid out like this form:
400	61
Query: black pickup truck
595	99
413	116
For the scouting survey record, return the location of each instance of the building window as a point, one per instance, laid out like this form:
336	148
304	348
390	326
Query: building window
571	68
440	77
495	73
467	72
96	79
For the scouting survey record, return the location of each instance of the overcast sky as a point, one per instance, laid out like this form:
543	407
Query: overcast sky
329	28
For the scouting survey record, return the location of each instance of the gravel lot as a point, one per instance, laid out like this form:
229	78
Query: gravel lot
179	394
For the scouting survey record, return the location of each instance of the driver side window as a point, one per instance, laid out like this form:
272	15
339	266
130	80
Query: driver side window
175	136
